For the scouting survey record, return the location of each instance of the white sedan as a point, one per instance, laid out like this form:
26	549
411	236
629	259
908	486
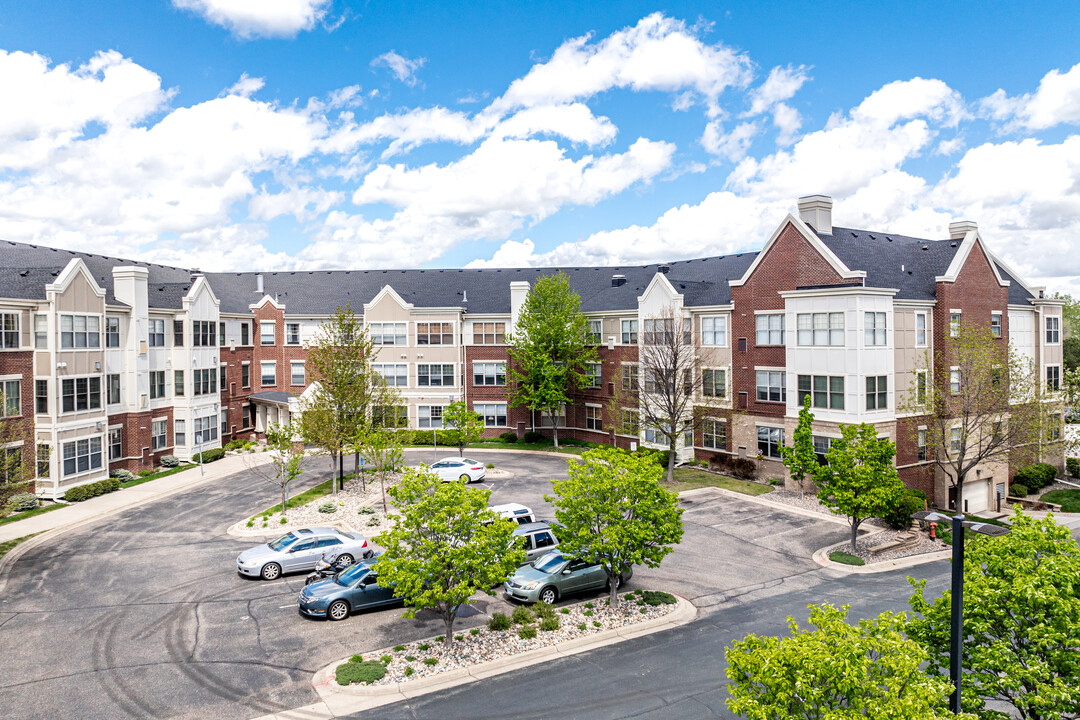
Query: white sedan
459	468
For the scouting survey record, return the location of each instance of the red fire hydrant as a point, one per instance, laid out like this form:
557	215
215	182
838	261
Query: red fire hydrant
933	527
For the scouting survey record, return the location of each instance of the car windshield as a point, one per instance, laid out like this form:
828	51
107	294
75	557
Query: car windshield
549	563
282	542
351	574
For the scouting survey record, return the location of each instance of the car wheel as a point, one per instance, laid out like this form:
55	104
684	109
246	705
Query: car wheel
338	610
345	559
549	595
465	478
618	583
271	571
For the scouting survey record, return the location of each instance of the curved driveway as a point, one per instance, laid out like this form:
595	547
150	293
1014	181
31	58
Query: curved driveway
142	614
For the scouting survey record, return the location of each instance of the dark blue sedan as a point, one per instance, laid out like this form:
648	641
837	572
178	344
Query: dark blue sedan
354	588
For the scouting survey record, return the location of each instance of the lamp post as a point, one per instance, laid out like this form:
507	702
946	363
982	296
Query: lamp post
956	631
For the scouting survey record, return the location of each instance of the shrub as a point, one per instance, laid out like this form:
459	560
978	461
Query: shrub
655	597
490	466
146	473
422	647
743	468
356	659
283	520
509	437
474	631
374	522
522	615
170	461
365	672
235	445
588	613
1073	467
704	463
385	659
549	624
123	475
597	623
431	661
409	671
909	501
251	523
21	502
90	490
589	606
440	638
328	507
207	456
1036	476
532	437
544	610
410	658
399	648
1019	490
527	632
366	510
499	622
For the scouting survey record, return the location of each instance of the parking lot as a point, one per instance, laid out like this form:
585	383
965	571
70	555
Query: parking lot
143	614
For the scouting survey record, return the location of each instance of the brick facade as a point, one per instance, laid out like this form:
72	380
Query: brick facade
21	427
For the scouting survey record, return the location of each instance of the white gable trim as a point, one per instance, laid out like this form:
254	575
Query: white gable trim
660	279
266	299
197	286
811	237
387	290
961	256
74	267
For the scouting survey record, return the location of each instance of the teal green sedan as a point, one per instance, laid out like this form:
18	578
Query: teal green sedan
554	576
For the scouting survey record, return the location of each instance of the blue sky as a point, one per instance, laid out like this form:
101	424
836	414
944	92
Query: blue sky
317	133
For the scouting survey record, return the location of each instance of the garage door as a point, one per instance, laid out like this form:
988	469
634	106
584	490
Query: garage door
975	495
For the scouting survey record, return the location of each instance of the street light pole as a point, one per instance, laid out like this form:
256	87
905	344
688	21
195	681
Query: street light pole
956	631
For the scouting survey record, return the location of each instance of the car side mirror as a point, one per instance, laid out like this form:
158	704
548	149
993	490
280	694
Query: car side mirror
567	571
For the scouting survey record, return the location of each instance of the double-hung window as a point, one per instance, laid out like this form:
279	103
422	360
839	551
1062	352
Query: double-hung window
435	375
9	330
387	333
714	434
594	418
489	373
877	392
245	375
203	333
112	389
206	429
825	391
1053	330
11	394
116	443
221	333
596	331
920	329
875	329
630	377
954	380
820	329
79	331
157	333
245	333
995	324
179	433
268	373
296	372
434	334
629	332
429	416
266	332
80	394
81	456
157	384
769	442
920	387
41	397
394	375
494	414
1053	378
41	331
713	382
158	436
222	376
292	333
922	445
714	330
592	374
629	422
489	333
205	381
178	383
954	323
177	332
769	329
771	386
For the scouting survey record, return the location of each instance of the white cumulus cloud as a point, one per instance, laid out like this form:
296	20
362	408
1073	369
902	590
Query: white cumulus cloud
400	66
259	18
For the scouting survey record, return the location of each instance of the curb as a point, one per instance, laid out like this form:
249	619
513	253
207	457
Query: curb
821	557
336	700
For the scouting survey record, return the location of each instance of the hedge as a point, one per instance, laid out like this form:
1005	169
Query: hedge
1018	490
907	503
1073	466
90	490
1036	476
427	437
531	436
509	437
208	455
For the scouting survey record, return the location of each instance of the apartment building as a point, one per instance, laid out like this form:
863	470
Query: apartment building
108	363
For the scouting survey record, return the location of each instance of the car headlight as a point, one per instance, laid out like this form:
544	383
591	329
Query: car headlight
531	586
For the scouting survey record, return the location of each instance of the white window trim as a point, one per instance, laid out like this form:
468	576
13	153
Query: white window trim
926	329
727	381
727	331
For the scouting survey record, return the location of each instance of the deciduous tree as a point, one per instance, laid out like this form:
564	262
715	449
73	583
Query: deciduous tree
800	458
835	671
859	480
614	512
466	424
286	455
444	546
384	449
548	349
1021	622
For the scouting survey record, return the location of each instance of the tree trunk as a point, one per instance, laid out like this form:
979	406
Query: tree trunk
613	589
333	480
671	460
284	499
341	470
854	534
449	618
382	486
554	429
959	495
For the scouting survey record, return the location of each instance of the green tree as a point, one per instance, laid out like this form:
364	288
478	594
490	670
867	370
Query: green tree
17	463
346	390
800	458
286	455
860	480
444	546
835	671
467	425
548	349
1021	622
384	450
614	512
988	404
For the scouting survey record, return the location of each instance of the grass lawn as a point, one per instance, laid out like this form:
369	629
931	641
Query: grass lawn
155	476
6	547
302	499
1069	500
845	558
691	479
30	513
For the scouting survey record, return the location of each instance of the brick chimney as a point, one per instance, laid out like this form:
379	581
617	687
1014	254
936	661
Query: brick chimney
816	211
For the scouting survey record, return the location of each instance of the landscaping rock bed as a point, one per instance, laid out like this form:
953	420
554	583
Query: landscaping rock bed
479	645
810	502
865	544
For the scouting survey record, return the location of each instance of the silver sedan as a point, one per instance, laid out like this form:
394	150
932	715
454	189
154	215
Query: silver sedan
298	551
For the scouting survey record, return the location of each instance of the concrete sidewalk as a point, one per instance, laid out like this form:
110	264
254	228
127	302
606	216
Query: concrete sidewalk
114	502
